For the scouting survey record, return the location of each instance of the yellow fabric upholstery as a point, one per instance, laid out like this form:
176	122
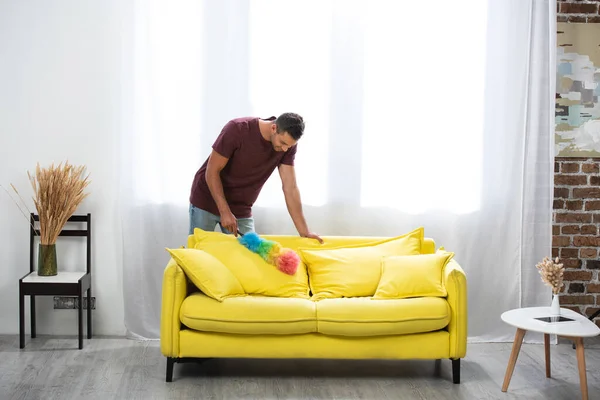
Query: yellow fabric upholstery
191	242
428	246
209	274
360	316
431	346
254	274
332	242
255	315
354	271
455	281
412	276
258	326
174	291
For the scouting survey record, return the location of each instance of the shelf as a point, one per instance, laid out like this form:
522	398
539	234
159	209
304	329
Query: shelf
62	277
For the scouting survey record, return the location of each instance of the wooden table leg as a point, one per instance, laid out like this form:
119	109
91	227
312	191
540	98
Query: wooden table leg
514	354
581	365
547	351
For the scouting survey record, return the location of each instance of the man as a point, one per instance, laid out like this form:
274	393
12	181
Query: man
245	154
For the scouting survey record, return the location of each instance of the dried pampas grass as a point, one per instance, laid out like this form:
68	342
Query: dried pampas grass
552	274
58	192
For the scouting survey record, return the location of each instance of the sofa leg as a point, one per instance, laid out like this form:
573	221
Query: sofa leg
170	362
456	370
437	369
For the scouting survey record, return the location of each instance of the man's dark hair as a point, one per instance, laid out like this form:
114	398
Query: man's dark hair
290	123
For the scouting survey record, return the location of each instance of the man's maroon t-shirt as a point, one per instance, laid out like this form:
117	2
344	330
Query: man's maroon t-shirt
252	160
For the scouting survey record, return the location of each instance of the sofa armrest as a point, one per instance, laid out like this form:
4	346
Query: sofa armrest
456	286
174	291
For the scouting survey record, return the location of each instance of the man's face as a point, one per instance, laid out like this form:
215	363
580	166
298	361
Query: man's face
282	141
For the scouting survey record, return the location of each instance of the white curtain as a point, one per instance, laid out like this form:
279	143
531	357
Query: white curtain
442	122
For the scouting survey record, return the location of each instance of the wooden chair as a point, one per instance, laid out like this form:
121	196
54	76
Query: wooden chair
63	284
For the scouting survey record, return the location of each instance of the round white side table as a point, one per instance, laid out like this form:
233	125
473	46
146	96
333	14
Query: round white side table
525	319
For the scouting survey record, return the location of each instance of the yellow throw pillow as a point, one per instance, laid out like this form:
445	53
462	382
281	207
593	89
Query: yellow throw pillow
413	276
191	241
354	271
208	274
254	274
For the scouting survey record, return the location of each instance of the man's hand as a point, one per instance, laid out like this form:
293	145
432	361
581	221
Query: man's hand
229	222
311	235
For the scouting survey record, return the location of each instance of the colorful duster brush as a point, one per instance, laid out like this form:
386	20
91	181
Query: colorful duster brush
286	260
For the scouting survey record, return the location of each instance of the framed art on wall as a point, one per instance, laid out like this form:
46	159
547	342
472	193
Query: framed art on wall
577	116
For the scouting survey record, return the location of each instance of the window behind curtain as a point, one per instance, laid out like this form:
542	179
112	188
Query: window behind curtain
421	99
290	71
423	109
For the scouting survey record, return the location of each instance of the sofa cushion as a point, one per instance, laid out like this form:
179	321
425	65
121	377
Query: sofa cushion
296	242
364	317
254	315
354	271
412	276
207	273
254	274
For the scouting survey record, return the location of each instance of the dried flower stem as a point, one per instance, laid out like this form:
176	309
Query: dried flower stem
58	191
17	204
552	273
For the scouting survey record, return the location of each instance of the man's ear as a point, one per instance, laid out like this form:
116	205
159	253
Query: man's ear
274	128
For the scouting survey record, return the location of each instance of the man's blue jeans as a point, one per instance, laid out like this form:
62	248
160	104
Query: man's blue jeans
208	221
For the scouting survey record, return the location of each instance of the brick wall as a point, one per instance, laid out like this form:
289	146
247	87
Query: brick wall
578	11
575	232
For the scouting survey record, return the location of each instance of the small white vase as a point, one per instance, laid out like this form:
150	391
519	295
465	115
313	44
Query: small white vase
555	307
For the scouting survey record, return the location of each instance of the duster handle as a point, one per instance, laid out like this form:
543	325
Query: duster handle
238	231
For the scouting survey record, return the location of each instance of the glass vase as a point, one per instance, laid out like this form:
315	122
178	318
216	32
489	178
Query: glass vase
555	306
47	260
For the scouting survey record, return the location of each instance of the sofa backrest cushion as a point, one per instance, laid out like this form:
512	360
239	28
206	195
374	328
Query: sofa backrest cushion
354	271
254	274
296	242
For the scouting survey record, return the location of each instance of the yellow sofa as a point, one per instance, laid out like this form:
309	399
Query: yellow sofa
195	326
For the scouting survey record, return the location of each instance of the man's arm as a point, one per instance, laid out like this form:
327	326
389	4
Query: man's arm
216	163
293	201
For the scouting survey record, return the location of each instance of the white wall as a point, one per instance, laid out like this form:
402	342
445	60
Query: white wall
60	65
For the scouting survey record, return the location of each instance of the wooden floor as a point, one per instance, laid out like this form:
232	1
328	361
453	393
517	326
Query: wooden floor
116	368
